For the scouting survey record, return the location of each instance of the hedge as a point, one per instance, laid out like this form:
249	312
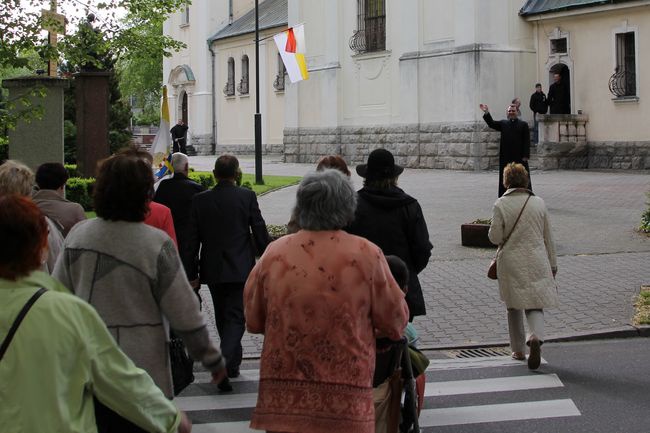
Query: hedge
203	178
80	190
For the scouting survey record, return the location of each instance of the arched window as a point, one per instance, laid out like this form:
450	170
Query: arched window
229	90
278	84
243	83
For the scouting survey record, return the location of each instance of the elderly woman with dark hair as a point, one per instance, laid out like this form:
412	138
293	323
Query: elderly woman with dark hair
132	274
61	353
526	262
318	296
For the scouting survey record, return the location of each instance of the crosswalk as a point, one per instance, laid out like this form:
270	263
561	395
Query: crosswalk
447	402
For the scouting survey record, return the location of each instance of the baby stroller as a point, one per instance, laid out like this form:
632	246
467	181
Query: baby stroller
397	399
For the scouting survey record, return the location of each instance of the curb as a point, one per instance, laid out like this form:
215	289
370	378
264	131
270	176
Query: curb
628	331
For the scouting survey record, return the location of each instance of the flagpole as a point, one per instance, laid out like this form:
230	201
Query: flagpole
259	180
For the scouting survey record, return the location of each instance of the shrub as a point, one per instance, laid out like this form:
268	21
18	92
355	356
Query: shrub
80	190
645	218
72	170
203	178
4	150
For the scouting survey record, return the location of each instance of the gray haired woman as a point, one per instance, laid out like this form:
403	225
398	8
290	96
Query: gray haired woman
317	296
526	262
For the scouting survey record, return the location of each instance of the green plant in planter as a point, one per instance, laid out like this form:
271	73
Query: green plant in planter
276	230
645	218
487	221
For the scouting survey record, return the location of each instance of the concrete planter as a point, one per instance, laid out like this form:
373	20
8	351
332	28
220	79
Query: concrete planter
475	235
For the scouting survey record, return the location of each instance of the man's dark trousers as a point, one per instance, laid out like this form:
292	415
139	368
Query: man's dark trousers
228	301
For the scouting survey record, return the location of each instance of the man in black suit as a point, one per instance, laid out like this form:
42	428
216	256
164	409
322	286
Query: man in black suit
221	223
559	96
514	145
179	137
176	193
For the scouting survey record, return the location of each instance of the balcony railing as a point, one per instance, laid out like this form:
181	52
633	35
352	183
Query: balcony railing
229	89
242	88
623	83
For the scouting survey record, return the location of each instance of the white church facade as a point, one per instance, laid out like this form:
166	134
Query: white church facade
409	76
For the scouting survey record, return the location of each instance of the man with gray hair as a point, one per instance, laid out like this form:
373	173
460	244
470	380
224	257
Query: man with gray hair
177	193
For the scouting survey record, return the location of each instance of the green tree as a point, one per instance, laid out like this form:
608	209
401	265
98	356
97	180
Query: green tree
21	25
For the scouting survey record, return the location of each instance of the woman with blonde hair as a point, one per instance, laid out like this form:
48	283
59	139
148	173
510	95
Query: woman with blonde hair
526	262
17	178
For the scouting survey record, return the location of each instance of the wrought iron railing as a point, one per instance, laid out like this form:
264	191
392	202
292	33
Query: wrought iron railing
370	38
242	88
623	83
229	88
278	83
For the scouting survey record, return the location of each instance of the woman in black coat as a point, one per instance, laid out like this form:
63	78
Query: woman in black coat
393	220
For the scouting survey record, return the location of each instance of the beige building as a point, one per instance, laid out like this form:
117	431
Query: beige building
602	49
409	76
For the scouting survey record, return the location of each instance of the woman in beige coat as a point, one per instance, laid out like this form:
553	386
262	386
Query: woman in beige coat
526	264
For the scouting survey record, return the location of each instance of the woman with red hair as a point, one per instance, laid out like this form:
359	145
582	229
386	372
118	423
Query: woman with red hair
60	355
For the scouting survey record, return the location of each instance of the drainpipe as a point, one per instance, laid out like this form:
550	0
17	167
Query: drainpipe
230	14
214	99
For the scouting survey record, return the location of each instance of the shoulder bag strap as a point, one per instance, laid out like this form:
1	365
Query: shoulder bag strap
19	319
518	216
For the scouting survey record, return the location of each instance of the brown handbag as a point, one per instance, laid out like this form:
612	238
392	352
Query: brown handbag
492	269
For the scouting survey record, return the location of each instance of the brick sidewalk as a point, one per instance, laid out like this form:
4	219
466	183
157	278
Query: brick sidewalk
602	262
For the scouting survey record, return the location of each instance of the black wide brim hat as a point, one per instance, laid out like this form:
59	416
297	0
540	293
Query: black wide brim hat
381	165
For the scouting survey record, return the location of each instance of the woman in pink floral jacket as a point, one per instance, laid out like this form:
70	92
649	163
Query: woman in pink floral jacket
320	297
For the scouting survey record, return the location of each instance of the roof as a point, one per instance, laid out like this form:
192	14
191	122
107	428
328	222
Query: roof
537	7
272	13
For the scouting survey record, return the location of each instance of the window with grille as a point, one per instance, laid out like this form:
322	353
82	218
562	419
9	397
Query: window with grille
371	26
229	89
185	15
559	46
623	82
278	84
242	88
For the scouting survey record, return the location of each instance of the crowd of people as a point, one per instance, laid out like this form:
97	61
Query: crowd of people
95	333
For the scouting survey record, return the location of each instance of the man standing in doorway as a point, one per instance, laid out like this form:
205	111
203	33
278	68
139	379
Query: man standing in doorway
559	96
538	105
514	145
226	225
179	137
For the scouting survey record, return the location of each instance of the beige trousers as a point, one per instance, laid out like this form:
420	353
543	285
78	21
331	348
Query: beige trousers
518	338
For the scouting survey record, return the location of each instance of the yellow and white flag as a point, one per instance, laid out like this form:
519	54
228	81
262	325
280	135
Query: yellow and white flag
291	46
161	146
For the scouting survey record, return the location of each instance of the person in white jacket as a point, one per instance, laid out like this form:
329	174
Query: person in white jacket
526	262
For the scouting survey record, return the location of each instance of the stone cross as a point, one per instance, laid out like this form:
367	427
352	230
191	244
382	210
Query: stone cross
53	22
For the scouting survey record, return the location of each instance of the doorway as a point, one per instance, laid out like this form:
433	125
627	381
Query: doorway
565	77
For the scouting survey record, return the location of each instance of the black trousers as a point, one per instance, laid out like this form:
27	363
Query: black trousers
110	422
228	301
178	145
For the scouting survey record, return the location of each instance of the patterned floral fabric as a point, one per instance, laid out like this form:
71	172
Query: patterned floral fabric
320	299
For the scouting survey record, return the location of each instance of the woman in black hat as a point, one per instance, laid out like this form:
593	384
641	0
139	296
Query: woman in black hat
393	220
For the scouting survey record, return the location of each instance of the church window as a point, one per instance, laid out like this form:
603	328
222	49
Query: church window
623	82
229	89
278	84
371	26
185	15
242	88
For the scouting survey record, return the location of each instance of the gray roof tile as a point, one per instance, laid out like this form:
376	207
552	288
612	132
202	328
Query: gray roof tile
536	7
272	13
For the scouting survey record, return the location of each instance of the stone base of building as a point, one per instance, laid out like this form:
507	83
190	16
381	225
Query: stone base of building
456	146
235	149
200	145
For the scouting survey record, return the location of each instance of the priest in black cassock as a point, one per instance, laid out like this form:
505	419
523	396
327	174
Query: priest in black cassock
515	141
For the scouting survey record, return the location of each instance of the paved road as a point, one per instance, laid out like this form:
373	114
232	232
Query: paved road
590	387
602	259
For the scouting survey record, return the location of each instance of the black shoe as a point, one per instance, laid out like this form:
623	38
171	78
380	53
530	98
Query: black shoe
225	386
535	354
232	373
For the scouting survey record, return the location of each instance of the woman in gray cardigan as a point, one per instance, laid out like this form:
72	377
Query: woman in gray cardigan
132	274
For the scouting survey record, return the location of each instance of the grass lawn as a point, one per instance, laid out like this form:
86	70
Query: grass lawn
642	316
270	182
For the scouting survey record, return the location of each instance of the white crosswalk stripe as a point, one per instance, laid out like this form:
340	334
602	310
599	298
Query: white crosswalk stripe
209	403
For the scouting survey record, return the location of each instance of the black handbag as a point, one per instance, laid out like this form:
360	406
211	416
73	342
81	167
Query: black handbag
181	363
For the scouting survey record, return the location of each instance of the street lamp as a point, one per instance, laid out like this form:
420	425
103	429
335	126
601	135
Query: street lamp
258	116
